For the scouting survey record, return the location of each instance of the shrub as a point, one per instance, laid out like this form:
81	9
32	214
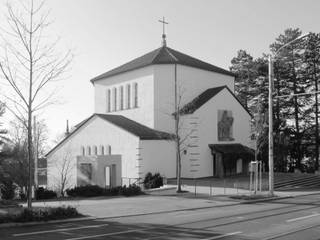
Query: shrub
42	193
85	191
7	189
152	181
94	190
41	214
130	191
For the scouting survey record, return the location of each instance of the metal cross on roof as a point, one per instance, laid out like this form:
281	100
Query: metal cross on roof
163	31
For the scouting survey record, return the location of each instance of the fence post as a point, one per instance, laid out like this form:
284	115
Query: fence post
237	187
224	187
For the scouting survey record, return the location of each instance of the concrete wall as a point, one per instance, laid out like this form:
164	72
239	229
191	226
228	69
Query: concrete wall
157	156
95	132
191	82
144	113
206	119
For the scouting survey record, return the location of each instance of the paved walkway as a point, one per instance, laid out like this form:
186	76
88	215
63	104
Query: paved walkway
113	207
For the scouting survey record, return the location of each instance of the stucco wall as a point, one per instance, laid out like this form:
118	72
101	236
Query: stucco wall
144	78
157	156
95	132
191	82
206	118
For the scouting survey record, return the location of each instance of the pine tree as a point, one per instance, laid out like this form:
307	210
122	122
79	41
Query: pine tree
243	67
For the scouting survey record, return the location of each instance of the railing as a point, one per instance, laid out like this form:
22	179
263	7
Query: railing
130	181
214	187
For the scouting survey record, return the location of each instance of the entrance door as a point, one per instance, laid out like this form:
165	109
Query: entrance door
107	176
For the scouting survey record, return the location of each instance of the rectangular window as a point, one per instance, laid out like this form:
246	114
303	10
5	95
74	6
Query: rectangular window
121	98
114	99
135	94
128	96
108	100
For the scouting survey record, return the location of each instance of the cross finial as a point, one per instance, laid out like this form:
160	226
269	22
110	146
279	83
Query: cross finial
164	43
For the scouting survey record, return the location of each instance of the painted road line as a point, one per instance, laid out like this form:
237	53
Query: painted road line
302	218
222	236
58	230
106	234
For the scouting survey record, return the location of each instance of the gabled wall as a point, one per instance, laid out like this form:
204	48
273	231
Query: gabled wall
206	119
95	132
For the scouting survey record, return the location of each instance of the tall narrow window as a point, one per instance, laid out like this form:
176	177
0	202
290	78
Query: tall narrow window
135	87
95	149
109	149
108	100
101	150
128	96
121	98
89	150
114	99
83	151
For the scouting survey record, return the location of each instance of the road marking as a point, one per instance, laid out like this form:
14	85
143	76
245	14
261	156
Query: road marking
302	218
222	236
58	230
106	234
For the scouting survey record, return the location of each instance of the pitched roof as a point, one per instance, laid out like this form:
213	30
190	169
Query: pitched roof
232	148
141	131
137	129
162	55
204	97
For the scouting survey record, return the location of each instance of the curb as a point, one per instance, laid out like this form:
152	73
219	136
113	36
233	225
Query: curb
265	200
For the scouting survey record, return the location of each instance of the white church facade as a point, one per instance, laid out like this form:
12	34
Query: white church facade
132	129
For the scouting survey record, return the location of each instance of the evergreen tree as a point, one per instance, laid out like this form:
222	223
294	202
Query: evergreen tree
291	81
242	67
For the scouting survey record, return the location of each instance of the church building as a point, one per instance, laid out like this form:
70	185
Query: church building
133	128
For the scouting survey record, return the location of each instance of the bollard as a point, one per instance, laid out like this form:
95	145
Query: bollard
195	187
224	187
210	189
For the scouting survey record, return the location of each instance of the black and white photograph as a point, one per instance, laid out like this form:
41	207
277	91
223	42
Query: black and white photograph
159	119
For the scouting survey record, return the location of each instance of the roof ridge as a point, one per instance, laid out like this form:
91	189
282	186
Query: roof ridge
157	53
171	54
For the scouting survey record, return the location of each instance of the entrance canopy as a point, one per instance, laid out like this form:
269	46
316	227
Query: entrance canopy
233	148
235	158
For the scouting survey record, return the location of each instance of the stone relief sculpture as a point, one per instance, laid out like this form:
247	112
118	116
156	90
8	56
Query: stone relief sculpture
225	122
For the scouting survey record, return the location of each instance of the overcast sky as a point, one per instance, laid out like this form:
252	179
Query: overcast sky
107	33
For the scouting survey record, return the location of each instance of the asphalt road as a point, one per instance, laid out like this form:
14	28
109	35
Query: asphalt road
292	218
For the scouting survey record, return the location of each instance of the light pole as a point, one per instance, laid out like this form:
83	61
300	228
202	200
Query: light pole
270	97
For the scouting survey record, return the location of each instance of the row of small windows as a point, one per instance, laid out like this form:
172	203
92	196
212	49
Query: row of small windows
122	101
93	150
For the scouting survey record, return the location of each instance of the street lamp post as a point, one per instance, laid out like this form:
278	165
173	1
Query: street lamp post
270	97
271	175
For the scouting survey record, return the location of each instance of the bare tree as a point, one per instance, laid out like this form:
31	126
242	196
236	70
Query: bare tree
182	132
29	64
63	166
